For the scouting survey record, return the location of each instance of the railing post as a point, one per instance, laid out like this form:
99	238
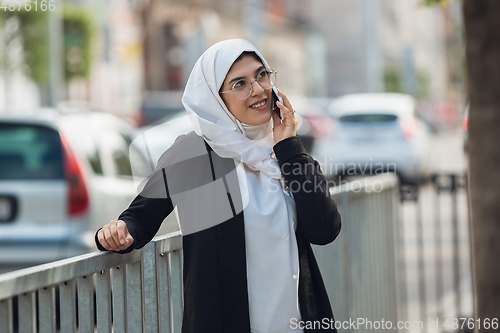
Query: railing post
6	325
47	309
438	247
421	258
150	288
346	263
133	294
164	293
85	304
393	216
103	301
26	310
469	239
176	289
456	248
67	296
119	299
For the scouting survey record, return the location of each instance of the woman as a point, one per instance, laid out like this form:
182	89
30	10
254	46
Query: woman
248	264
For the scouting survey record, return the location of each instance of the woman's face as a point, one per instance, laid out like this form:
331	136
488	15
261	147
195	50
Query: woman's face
245	110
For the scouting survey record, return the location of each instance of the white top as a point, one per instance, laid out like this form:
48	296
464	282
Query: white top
271	249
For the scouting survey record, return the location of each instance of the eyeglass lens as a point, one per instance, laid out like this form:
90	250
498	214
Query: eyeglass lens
243	88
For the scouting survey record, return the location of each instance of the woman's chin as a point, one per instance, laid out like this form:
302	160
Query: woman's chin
260	118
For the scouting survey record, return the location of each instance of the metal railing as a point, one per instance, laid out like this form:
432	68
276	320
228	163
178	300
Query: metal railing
361	267
135	292
142	291
437	223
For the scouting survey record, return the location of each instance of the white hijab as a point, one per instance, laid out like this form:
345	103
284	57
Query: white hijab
212	120
269	212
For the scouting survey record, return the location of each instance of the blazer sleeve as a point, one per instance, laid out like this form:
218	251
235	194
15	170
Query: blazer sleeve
318	218
149	208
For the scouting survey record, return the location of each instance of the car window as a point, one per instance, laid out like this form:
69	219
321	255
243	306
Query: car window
30	152
140	167
120	157
368	118
94	158
171	115
88	143
120	149
159	114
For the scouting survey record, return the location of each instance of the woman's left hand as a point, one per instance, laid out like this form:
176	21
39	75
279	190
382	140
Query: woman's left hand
286	127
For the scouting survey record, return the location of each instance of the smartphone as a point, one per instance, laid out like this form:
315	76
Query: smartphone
275	98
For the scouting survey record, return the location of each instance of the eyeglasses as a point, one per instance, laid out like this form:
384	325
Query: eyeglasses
242	89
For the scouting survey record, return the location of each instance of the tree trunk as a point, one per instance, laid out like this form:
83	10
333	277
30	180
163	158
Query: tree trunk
482	38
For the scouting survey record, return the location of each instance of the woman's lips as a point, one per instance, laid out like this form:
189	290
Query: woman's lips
263	107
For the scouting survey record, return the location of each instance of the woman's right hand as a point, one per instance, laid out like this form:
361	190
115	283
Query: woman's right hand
114	236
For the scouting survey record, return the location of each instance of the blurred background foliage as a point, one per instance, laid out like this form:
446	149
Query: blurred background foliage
33	32
78	31
433	2
393	81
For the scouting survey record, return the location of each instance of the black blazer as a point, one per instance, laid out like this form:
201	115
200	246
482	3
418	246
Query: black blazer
214	272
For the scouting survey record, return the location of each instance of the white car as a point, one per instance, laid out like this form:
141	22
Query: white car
153	140
375	133
62	176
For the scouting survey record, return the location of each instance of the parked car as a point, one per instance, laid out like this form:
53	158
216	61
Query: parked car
63	174
157	105
305	132
315	112
375	133
153	140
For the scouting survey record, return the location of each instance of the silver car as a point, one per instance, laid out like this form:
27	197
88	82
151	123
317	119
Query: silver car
62	176
375	133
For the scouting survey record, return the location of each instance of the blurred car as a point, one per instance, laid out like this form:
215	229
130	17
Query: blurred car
315	112
305	132
62	176
157	105
153	140
375	133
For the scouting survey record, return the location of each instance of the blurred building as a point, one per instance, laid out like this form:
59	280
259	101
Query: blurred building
178	32
378	45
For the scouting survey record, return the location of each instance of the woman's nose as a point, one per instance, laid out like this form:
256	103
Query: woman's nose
256	88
